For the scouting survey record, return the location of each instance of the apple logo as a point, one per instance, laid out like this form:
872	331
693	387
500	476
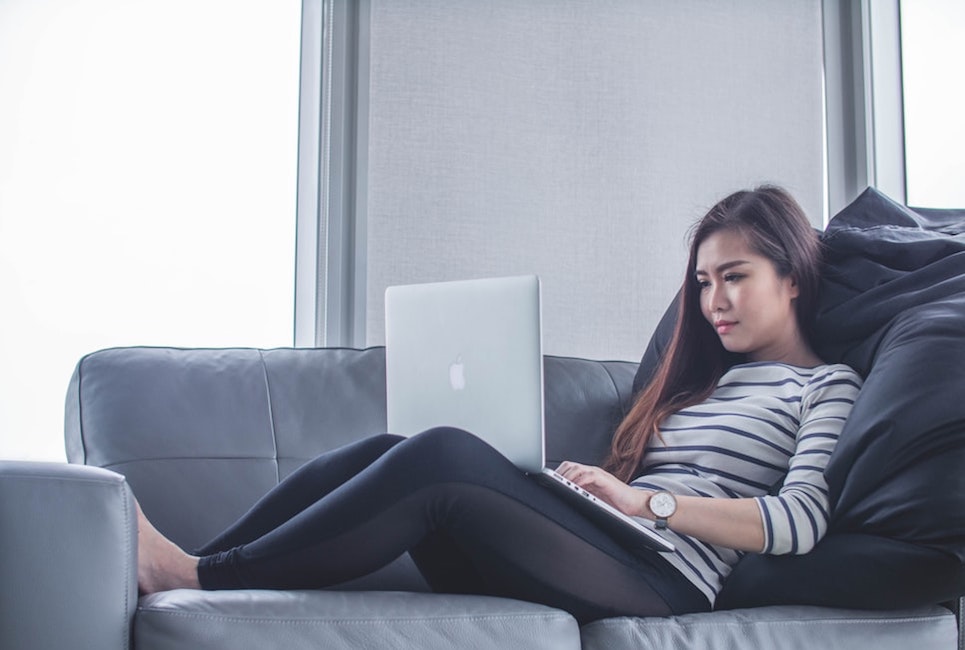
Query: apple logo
457	374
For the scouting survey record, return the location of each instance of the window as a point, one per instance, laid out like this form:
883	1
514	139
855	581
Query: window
932	58
148	158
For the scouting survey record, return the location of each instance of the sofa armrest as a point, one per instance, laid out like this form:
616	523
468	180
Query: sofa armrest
958	607
68	572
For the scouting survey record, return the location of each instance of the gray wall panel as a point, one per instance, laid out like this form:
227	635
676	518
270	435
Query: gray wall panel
579	140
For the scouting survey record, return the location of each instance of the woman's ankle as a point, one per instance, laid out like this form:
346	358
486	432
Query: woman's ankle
161	564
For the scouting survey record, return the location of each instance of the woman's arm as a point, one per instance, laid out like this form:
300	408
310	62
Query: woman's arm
797	517
732	523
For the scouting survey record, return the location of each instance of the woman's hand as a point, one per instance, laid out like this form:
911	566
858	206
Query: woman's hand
606	486
734	523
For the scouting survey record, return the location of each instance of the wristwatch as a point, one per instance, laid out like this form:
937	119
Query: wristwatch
662	505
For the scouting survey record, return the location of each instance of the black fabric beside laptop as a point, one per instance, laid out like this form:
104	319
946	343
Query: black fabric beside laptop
893	308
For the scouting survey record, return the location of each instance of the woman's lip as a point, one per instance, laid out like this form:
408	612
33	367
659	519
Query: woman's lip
724	326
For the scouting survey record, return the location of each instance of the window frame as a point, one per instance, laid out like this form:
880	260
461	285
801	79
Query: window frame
863	99
330	258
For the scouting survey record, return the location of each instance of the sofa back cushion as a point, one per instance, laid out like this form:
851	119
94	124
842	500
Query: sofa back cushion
201	434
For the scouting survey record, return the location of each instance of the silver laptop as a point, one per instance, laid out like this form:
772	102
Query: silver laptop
468	354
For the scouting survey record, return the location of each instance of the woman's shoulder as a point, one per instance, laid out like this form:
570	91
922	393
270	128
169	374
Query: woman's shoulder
837	373
833	383
830	374
830	385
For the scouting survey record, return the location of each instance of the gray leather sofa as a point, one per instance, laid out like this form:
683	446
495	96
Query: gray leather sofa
200	434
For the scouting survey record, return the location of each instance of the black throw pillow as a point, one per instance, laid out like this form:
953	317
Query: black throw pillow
851	571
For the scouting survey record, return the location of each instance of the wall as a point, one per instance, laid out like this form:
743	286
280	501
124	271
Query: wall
578	140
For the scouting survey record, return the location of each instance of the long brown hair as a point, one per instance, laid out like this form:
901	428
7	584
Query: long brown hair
774	226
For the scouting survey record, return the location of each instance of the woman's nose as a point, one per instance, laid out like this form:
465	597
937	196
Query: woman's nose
716	299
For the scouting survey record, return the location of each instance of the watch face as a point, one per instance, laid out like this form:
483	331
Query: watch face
663	504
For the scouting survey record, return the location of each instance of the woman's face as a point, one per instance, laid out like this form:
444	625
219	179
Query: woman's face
744	299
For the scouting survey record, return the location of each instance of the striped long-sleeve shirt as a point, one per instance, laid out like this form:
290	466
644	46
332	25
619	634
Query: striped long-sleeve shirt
764	423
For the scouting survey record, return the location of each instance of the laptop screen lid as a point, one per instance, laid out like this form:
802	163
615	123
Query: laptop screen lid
468	354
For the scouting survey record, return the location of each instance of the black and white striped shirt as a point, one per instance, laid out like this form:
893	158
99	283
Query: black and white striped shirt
764	423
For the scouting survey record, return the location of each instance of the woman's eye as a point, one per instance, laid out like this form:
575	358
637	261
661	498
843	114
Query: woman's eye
732	277
703	284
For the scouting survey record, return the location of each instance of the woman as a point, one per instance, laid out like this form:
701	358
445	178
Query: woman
740	404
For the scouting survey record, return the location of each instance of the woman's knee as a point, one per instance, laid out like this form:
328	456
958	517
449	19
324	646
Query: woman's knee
357	454
384	440
450	447
447	439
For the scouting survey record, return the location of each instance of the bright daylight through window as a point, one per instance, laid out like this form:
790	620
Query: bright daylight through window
148	156
933	57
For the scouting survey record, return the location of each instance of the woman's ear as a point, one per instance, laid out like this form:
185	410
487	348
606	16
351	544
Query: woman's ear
793	288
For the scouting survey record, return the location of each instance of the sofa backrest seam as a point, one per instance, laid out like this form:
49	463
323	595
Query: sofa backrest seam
80	409
271	418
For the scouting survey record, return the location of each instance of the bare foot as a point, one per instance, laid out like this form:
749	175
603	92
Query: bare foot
161	565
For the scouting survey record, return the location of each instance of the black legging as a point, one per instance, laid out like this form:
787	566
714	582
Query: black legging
472	522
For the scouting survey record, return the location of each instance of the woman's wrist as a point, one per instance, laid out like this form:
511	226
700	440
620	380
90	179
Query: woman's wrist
644	508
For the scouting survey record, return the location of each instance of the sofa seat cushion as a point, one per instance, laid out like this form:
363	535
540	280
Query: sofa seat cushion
788	627
293	620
